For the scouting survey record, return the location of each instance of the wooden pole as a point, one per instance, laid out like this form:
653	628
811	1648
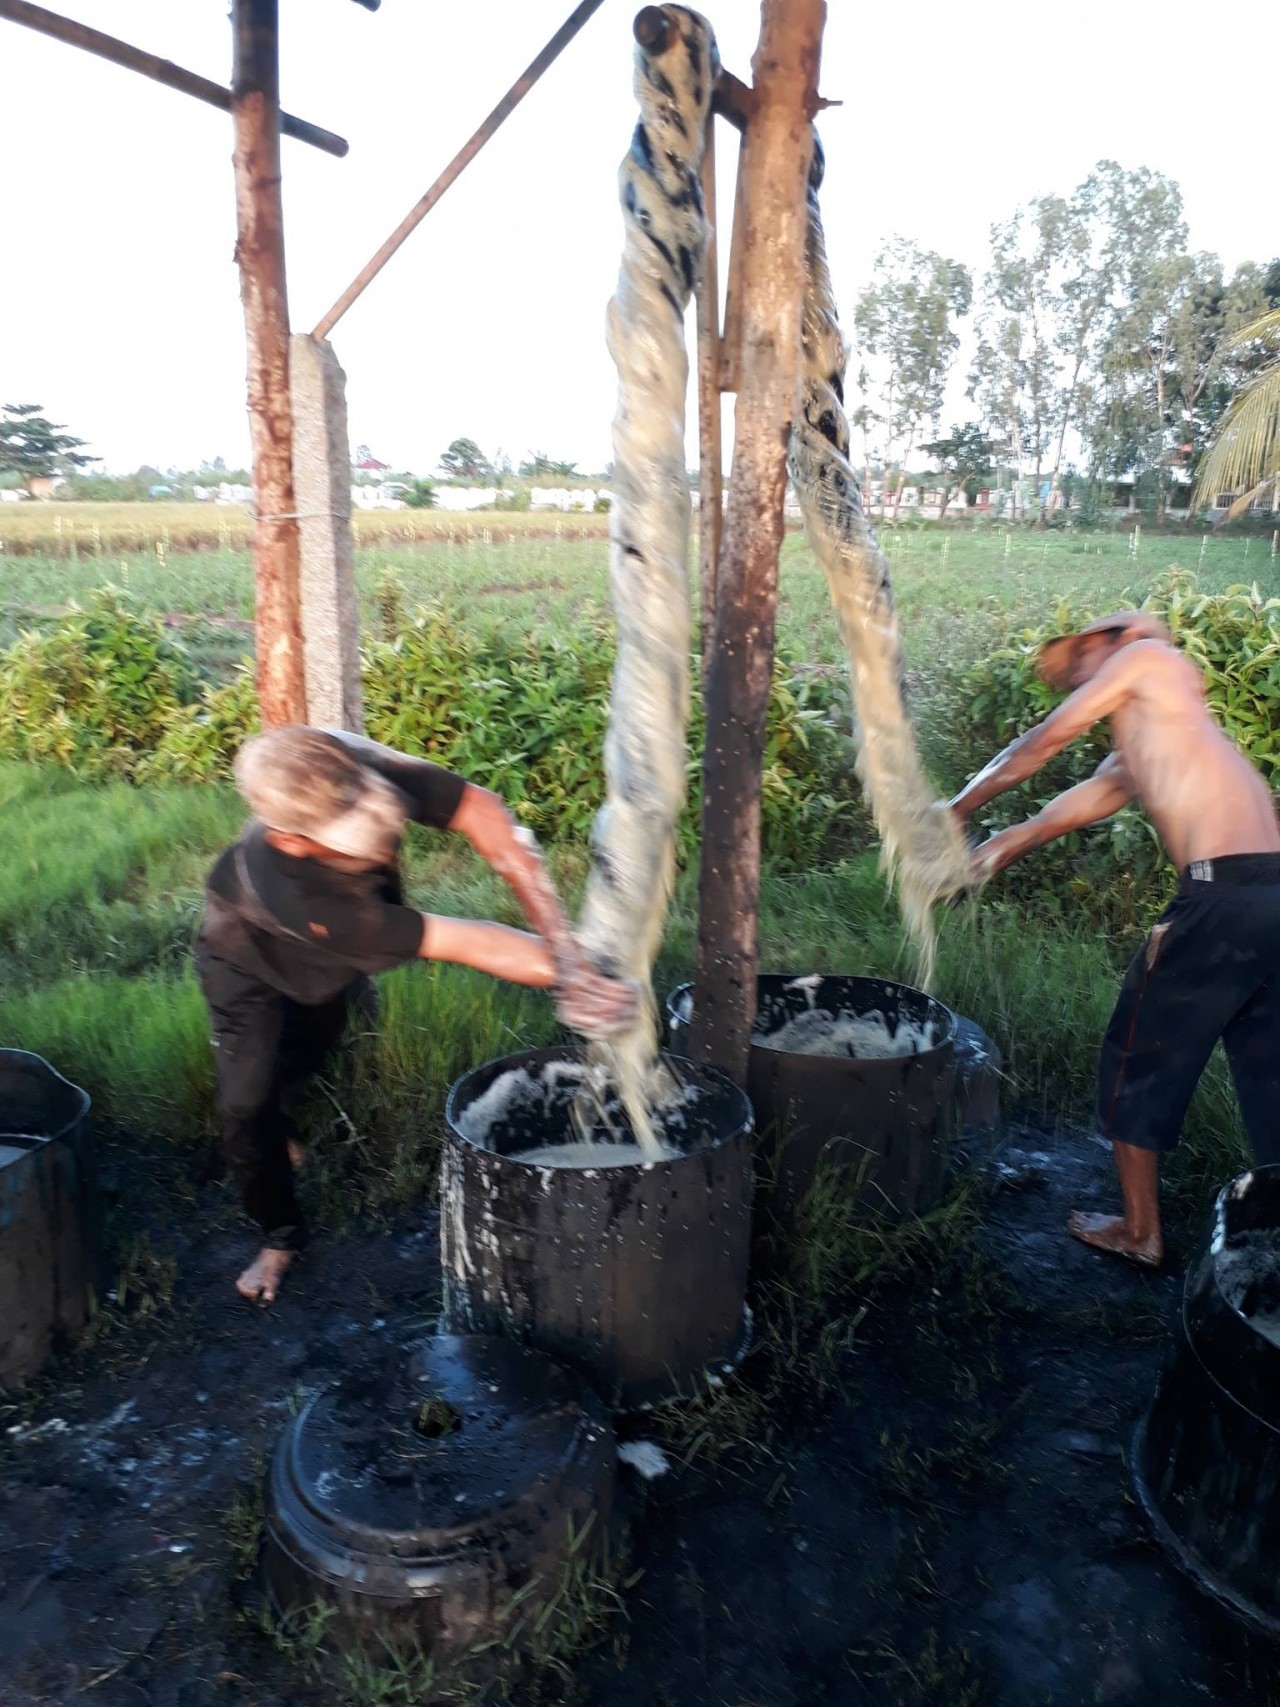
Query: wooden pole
260	256
778	146
151	65
710	466
461	160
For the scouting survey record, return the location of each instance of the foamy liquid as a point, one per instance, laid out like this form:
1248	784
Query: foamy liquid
588	1155
862	1037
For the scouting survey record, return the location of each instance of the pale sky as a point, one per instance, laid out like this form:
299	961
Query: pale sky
119	306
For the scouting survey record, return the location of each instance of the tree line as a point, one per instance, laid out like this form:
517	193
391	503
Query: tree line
1100	335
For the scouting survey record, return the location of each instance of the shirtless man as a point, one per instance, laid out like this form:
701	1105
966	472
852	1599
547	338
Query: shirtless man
307	905
1211	965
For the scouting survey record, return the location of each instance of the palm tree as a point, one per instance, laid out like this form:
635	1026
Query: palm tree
1245	455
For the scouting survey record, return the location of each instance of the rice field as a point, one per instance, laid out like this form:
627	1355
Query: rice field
959	591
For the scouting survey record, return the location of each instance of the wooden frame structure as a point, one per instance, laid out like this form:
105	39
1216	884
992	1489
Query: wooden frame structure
755	355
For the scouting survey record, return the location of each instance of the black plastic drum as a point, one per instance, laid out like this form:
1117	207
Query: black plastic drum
1206	1456
48	1220
435	1494
886	1119
634	1273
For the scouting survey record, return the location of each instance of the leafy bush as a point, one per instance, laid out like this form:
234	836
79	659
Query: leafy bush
95	691
527	718
200	740
106	693
1118	869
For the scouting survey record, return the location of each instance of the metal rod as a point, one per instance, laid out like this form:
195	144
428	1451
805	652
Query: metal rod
461	160
710	470
152	66
282	693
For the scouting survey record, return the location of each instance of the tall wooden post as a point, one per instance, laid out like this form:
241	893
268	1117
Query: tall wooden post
255	106
777	147
710	454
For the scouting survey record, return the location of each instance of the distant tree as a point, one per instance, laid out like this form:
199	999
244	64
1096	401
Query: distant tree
420	495
464	460
966	458
904	323
33	447
540	466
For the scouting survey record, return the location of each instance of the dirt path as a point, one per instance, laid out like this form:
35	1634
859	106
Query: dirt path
956	1529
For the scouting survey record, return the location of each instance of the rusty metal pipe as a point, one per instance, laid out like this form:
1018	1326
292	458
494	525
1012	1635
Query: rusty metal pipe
158	70
461	160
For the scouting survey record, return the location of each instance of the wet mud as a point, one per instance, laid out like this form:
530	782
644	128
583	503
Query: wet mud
955	1526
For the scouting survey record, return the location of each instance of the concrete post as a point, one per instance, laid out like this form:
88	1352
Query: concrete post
322	484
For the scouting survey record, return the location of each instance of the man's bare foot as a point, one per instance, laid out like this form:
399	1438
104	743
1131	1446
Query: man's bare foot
261	1280
1110	1233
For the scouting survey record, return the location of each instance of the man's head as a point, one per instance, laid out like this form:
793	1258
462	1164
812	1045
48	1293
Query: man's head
316	797
1073	659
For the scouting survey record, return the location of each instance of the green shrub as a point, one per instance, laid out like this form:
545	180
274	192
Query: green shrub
199	741
95	691
106	693
1118	869
527	718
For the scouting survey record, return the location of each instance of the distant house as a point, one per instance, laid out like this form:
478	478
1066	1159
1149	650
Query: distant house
462	498
371	465
386	495
562	498
44	485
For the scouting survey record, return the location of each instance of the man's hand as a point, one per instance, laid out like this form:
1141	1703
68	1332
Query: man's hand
994	854
594	1005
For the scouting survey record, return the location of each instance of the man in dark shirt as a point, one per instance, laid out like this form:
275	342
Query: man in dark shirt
307	905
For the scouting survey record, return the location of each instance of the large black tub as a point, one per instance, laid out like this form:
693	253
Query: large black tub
432	1499
634	1272
1206	1456
885	1118
47	1212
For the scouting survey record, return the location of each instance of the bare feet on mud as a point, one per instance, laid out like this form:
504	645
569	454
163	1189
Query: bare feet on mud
260	1282
1111	1233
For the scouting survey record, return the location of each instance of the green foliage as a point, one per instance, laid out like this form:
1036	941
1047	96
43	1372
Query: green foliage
464	460
95	692
527	717
420	495
1117	870
199	740
31	445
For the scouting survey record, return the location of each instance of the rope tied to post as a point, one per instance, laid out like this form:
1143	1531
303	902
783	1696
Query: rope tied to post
922	845
634	838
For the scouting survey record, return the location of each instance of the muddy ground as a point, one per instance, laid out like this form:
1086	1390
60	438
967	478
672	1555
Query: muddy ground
953	1526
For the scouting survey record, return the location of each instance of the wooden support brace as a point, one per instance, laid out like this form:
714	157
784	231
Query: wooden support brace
773	173
260	256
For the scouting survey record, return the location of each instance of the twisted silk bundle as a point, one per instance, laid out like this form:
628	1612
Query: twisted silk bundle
634	838
922	845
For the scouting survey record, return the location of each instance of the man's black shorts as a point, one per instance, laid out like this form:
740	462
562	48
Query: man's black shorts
1210	969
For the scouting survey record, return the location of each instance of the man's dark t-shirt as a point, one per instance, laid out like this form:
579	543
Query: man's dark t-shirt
307	929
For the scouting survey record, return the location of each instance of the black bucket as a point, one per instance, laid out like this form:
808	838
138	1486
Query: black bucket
432	1500
1206	1456
635	1274
887	1121
48	1231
